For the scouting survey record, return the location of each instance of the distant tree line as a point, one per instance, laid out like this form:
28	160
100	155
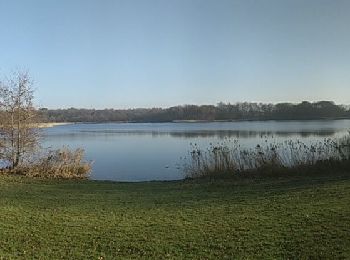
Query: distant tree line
222	111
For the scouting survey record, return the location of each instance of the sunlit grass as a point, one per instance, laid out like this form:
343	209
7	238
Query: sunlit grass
291	217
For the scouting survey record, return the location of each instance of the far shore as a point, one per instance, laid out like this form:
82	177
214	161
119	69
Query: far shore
52	124
48	125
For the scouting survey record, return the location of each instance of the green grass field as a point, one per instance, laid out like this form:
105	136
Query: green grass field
289	217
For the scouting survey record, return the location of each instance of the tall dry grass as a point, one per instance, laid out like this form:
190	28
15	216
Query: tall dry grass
62	163
229	156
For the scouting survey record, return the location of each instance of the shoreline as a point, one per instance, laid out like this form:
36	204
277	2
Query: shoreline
53	124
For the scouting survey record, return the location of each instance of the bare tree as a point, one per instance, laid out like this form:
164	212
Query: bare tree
18	130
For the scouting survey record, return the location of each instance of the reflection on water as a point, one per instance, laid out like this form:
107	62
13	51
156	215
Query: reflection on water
136	152
216	133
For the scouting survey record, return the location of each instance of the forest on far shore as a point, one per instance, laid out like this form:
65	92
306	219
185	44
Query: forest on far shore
222	111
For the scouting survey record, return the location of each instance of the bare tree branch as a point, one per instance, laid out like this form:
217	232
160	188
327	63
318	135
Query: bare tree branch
18	118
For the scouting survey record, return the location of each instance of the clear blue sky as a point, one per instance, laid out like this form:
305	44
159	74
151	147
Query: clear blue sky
147	53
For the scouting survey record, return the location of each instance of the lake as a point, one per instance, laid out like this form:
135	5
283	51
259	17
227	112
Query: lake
156	151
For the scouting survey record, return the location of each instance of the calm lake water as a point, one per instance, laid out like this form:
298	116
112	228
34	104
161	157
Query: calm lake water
153	151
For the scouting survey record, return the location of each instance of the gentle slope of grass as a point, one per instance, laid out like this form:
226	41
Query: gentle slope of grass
289	217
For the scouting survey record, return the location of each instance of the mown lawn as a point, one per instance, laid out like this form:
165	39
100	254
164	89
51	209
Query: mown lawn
290	217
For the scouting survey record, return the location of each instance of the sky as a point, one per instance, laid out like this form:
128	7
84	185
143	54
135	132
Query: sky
160	53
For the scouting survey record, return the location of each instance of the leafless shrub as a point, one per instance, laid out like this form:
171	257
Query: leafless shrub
20	150
62	163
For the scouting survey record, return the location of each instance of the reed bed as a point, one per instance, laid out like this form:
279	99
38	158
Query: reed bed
229	157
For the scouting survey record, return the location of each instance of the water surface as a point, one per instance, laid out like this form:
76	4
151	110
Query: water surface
156	151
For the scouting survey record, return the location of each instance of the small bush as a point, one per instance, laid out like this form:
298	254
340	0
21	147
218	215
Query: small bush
61	163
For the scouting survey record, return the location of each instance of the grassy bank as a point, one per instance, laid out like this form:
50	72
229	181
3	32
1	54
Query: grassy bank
289	217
